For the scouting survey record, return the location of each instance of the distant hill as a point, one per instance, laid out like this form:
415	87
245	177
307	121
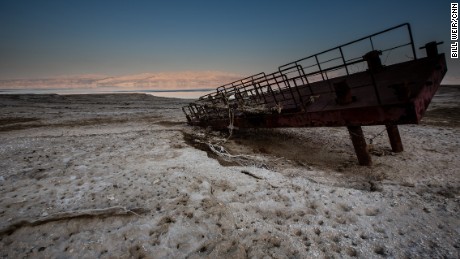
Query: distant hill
162	80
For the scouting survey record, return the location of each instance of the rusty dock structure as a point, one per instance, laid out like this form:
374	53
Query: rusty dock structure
347	85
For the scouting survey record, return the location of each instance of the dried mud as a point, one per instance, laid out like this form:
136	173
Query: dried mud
123	176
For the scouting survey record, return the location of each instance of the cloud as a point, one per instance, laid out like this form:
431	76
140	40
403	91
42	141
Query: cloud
162	80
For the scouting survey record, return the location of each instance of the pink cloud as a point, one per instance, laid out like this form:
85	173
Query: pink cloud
161	80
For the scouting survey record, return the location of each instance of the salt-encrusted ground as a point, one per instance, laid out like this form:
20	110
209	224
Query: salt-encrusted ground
121	176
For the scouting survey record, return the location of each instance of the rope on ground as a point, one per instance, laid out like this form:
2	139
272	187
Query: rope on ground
379	134
231	127
371	140
219	150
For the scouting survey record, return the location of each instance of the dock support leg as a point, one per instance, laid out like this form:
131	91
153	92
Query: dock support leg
395	138
359	143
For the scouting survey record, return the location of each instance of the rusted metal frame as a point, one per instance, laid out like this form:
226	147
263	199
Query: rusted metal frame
243	91
248	89
192	112
296	86
252	77
206	102
411	40
183	109
232	92
299	70
329	60
341	50
335	67
322	71
238	97
358	40
271	90
233	84
258	92
340	47
343	60
378	33
258	97
214	100
319	66
271	82
187	115
396	47
286	83
411	43
327	70
352	59
278	85
261	90
256	89
319	63
303	81
303	76
203	97
223	93
223	97
210	98
208	106
238	86
297	90
372	43
201	111
248	94
359	116
195	111
314	65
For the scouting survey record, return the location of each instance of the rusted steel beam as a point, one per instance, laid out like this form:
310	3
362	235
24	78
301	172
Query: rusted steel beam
395	138
378	115
359	143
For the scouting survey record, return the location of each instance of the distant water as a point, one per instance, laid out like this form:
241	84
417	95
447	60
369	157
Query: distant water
184	94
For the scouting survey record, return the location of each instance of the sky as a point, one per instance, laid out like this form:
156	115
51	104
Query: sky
43	39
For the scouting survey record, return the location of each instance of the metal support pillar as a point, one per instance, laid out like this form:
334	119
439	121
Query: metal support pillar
359	143
395	138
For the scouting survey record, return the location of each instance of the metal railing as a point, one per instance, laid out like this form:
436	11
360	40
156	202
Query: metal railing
290	86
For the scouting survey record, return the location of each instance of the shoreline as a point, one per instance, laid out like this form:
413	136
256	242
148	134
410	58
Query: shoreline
179	93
